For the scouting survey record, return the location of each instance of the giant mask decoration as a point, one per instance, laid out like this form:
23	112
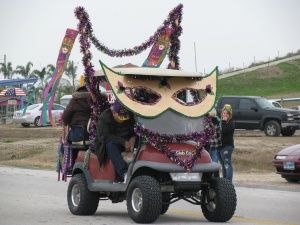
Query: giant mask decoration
126	83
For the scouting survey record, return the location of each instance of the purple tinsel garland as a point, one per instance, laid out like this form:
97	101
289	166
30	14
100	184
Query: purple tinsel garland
174	15
156	140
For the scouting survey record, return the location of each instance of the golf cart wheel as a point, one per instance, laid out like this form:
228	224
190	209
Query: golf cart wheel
166	203
144	199
272	129
37	121
25	124
219	200
81	201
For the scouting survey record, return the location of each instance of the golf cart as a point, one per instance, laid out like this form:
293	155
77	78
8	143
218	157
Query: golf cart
170	163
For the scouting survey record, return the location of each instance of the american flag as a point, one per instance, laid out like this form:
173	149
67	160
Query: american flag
13	92
10	92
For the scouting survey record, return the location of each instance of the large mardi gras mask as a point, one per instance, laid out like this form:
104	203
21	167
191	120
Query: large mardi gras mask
127	83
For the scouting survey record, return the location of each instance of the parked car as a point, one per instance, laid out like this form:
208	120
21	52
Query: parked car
33	113
287	163
255	112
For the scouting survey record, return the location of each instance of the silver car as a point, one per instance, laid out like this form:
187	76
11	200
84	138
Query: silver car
33	114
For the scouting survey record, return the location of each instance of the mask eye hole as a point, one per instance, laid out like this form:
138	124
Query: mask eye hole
143	95
189	96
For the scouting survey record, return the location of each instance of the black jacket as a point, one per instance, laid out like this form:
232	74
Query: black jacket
78	111
106	131
227	131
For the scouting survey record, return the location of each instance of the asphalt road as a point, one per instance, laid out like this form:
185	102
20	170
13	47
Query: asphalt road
30	197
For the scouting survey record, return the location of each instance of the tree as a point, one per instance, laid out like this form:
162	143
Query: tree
46	72
65	88
24	71
70	72
6	70
50	69
41	75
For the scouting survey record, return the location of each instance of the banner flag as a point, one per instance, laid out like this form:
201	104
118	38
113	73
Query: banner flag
62	61
159	50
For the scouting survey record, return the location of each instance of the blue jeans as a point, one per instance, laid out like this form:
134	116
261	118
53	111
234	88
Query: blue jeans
213	155
114	151
76	134
225	158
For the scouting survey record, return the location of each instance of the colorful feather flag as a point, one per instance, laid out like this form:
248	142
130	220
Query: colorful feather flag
51	89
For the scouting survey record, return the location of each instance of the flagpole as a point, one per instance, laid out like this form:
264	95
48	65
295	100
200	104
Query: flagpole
195	56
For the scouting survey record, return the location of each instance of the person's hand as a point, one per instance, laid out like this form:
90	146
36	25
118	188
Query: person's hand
132	142
225	117
127	146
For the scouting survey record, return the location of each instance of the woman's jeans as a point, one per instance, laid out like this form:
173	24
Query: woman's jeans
76	134
225	158
213	155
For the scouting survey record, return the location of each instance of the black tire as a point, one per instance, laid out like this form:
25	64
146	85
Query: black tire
81	201
219	200
272	129
291	180
144	199
25	124
37	121
287	133
166	203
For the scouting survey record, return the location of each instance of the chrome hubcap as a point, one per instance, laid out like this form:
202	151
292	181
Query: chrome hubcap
211	206
76	195
137	200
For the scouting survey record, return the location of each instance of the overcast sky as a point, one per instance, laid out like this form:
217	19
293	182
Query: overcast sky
225	32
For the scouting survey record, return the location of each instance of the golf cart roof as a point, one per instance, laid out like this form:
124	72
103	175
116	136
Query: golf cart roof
146	71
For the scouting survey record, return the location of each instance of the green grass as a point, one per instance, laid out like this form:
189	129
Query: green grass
8	141
281	80
30	153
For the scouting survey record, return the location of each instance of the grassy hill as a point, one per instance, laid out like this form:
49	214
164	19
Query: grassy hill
280	81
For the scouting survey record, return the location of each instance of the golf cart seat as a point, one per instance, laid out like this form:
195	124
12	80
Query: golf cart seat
82	145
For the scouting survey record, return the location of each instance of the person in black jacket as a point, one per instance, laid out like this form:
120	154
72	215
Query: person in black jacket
78	112
225	151
115	135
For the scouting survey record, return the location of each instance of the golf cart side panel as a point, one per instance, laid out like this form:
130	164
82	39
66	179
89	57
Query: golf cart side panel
149	153
105	172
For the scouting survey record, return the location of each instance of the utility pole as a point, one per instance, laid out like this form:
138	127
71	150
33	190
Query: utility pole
4	59
195	56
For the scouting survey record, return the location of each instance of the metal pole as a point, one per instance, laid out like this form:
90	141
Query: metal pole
195	56
4	59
